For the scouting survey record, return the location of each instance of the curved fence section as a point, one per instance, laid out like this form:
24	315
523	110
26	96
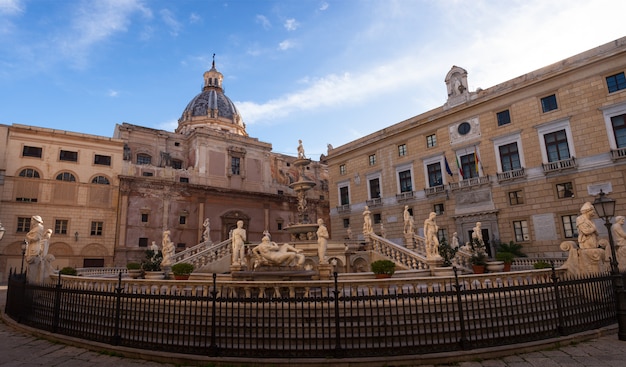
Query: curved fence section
327	319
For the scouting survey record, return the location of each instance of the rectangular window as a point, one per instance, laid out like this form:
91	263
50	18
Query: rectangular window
144	159
184	179
60	226
565	190
557	147
66	155
569	226
177	164
143	241
435	177
520	227
96	228
377	217
346	222
181	245
509	157
147	174
23	224
431	140
619	130
616	82
344	195
374	188
144	217
504	117
279	226
31	151
516	197
372	159
402	150
182	219
468	165
438	208
235	165
442	233
549	103
405	181
103	160
342	169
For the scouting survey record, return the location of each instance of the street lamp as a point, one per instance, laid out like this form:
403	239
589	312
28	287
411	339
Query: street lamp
605	208
24	245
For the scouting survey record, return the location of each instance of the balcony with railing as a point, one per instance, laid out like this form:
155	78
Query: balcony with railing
617	154
511	175
404	196
435	190
343	208
372	203
470	183
561	165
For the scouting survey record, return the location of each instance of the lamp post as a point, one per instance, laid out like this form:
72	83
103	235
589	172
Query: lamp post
605	208
24	245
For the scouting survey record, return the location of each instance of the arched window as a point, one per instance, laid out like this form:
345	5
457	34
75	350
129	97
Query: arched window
144	159
100	180
66	176
29	172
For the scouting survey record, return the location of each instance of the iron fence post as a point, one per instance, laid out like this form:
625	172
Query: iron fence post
118	308
557	297
338	351
57	305
457	287
213	351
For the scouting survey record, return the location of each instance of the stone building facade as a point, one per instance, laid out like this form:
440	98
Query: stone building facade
520	157
156	180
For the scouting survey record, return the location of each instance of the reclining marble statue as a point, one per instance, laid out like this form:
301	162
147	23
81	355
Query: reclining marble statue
270	253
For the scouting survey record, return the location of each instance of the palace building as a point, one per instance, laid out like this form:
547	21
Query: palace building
520	157
108	199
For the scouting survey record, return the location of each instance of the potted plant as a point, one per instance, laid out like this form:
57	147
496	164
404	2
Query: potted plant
68	270
507	258
447	253
151	265
134	269
182	271
541	264
383	268
479	256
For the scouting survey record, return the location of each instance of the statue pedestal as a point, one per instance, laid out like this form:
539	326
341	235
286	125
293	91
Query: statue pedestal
434	263
325	271
408	240
234	268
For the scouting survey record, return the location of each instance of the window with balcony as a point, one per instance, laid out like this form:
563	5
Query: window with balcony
468	166
28	151
503	117
374	188
405	181
618	123
616	82
569	226
435	177
520	228
344	195
556	150
549	103
509	157
69	156
431	141
557	147
96	228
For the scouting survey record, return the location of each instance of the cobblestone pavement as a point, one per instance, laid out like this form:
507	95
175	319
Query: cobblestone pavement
21	349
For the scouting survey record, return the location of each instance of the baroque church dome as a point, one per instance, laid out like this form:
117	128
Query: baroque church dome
212	108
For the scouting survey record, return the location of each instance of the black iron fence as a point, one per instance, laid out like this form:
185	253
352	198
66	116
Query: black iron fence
340	320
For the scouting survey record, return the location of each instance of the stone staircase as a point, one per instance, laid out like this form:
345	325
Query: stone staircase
204	253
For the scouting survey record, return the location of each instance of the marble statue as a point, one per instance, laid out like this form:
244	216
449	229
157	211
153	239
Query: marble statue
270	253
349	232
367	221
589	255
619	239
408	228
39	262
455	240
206	234
431	235
383	232
587	231
300	150
322	241
168	250
239	239
477	233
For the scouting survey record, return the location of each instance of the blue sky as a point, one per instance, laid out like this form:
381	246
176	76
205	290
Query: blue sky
324	71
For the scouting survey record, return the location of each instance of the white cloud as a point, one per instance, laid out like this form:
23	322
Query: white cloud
170	19
263	21
291	24
194	18
324	6
113	93
285	45
11	7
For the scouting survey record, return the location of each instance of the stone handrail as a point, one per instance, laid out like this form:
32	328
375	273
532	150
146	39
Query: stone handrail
204	253
400	255
227	287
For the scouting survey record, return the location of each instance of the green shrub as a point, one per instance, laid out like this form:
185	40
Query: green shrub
541	264
511	247
383	267
68	270
507	257
447	252
152	262
182	269
133	266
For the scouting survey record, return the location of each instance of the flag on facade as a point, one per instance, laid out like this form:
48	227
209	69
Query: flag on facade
458	165
447	165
